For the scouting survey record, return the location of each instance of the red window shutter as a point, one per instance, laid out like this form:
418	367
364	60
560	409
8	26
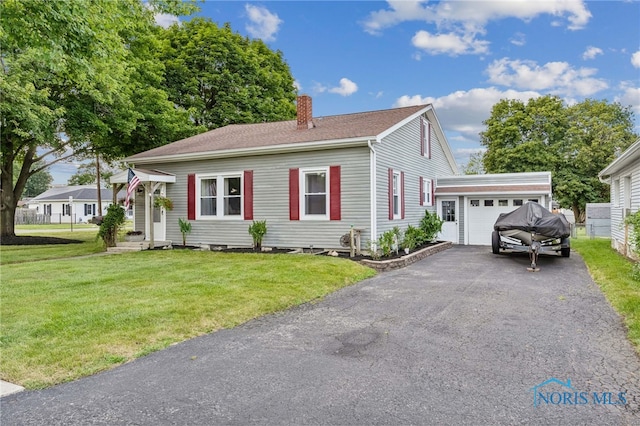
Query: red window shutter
294	194
402	195
334	193
191	197
433	193
421	191
422	136
248	195
390	194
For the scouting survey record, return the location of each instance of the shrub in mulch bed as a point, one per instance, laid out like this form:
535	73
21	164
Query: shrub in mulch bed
401	253
28	240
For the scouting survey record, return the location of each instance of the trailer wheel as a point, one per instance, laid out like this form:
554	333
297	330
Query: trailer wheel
495	242
565	251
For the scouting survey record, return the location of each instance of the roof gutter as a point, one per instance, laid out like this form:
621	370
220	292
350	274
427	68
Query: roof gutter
245	152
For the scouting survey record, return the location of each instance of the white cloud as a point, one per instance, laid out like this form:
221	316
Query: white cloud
451	43
630	97
553	77
264	24
591	52
165	20
346	88
319	88
472	15
518	39
460	22
399	11
463	112
635	59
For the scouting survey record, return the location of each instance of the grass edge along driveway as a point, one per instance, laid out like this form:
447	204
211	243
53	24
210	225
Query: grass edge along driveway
612	272
65	319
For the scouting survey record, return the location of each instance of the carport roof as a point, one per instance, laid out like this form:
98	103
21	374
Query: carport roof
491	184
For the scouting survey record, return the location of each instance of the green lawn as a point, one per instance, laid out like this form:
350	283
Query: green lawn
89	245
64	319
612	272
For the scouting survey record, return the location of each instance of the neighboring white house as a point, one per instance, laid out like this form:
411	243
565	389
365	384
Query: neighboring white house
623	174
470	204
55	203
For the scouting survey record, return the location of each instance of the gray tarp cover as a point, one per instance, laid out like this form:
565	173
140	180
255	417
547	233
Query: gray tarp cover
532	217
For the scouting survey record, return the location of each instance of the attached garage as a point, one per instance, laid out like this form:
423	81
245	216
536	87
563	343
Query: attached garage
470	204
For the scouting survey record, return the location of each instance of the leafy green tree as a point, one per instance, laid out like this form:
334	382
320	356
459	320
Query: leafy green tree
68	83
223	78
37	183
573	142
474	166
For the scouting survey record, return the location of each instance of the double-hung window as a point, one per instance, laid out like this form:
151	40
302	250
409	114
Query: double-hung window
314	203
216	204
396	195
427	192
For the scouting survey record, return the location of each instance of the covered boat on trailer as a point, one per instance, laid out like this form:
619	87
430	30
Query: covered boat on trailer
533	229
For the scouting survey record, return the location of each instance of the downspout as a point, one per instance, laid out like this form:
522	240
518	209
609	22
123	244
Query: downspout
372	186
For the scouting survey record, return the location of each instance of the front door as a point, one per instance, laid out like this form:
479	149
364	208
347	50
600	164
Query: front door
448	212
159	218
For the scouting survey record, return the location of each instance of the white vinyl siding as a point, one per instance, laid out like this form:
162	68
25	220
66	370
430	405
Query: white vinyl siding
400	151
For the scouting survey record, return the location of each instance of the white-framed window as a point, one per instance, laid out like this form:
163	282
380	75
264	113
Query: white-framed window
397	194
219	196
626	188
314	193
427	192
89	209
426	138
616	192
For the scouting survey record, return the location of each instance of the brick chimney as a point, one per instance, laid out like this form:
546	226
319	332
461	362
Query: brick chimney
305	114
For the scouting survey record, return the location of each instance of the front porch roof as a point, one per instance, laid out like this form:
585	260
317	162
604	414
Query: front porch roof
144	175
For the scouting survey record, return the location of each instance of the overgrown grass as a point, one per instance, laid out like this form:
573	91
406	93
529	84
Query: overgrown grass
89	245
65	319
612	272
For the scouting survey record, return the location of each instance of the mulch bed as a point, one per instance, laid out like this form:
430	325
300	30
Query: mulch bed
28	240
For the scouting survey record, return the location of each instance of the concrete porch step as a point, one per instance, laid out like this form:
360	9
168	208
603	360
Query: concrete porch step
126	246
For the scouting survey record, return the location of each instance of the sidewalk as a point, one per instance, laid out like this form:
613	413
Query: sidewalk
7	388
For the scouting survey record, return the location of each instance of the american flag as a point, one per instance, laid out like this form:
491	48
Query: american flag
133	182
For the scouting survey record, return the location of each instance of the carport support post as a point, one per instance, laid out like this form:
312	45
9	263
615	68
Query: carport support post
149	189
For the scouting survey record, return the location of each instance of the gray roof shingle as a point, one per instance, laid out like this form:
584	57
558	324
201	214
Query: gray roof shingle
246	136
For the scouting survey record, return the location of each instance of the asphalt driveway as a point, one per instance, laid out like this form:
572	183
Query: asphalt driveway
462	337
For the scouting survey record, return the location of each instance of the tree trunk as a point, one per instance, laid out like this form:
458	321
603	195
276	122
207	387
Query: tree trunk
7	214
578	214
10	194
98	183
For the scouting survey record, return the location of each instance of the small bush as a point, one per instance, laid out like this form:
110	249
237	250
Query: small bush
185	229
431	225
388	241
413	237
257	230
111	223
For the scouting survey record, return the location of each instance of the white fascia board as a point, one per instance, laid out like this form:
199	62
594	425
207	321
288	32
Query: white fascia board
245	152
491	193
627	158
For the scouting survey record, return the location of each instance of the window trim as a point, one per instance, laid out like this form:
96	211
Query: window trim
426	137
327	194
427	192
616	192
219	177
396	191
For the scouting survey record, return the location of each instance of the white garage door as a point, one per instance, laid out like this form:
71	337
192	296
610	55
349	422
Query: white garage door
483	213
